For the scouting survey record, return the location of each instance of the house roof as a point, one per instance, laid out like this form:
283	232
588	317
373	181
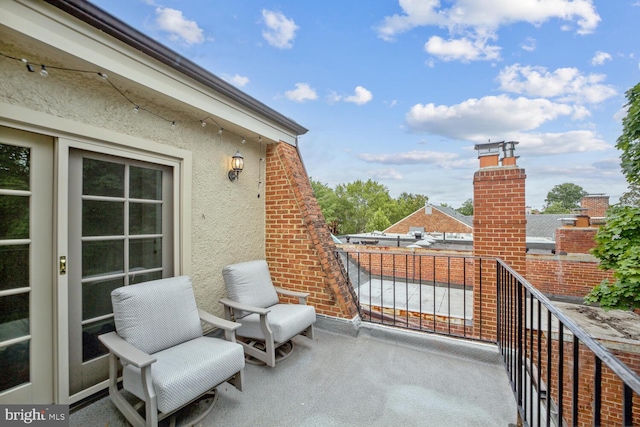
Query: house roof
109	24
544	225
467	220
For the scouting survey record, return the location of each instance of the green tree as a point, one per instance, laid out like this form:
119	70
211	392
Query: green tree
327	199
567	194
629	141
379	221
631	197
466	208
406	204
618	241
359	201
556	208
618	249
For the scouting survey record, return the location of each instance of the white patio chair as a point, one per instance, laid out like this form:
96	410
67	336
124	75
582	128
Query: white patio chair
167	362
267	326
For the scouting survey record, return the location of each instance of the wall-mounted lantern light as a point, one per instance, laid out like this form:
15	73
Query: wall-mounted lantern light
237	164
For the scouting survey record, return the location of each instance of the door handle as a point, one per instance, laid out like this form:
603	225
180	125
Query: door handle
63	265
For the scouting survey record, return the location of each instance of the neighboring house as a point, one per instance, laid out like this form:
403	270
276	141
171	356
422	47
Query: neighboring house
441	219
433	219
95	195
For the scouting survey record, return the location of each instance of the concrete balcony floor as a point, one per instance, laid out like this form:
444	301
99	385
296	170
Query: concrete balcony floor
358	374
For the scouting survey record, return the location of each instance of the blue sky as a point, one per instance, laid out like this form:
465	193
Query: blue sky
401	91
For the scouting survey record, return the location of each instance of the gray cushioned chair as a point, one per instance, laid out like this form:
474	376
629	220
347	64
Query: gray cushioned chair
266	325
167	362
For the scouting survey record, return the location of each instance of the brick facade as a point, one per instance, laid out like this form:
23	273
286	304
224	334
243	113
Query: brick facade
299	248
436	222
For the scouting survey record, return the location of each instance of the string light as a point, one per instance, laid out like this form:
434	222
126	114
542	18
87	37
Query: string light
136	107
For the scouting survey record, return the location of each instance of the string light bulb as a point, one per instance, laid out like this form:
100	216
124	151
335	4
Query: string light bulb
26	63
44	72
136	109
243	140
103	75
220	131
203	123
173	125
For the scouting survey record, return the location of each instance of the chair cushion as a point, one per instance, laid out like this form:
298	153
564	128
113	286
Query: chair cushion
158	314
285	320
250	283
186	371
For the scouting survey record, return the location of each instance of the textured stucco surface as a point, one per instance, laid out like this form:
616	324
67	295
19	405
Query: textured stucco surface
227	217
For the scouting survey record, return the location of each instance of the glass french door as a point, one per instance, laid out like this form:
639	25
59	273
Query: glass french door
26	267
120	233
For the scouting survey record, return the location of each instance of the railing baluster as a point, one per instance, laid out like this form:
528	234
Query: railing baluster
597	391
549	367
576	377
627	406
539	362
560	371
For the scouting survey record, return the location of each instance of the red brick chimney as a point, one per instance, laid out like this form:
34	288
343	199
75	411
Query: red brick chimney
499	225
595	205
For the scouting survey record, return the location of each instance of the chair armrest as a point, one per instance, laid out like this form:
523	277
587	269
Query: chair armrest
125	351
302	296
218	322
243	307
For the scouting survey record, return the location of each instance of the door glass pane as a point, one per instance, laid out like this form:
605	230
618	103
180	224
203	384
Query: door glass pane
145	254
101	218
14	211
14	364
102	257
96	297
14	267
14	167
100	178
145	218
144	277
14	316
91	345
145	183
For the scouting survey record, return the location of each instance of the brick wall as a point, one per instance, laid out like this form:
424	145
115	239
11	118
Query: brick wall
575	240
567	276
299	248
450	267
436	222
499	231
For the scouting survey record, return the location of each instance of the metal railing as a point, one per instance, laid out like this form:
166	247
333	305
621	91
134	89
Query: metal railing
560	375
405	289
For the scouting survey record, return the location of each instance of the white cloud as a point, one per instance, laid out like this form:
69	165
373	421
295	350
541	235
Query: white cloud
280	30
385	174
487	117
471	23
566	84
237	80
529	44
178	27
360	97
415	157
488	14
544	144
463	49
302	92
600	57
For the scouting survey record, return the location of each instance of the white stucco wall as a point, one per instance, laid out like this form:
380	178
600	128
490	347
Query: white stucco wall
227	218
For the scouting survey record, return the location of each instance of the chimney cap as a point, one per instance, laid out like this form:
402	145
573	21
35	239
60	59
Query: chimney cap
489	148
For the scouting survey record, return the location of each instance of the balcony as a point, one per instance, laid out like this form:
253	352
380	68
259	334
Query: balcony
360	375
439	340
